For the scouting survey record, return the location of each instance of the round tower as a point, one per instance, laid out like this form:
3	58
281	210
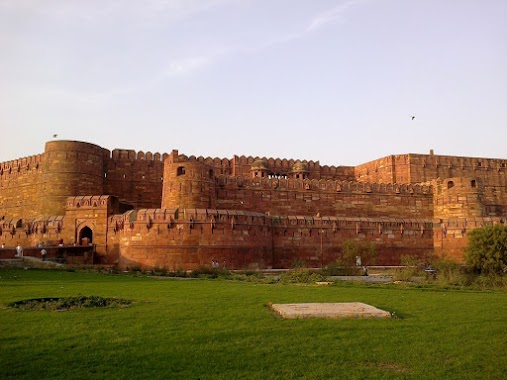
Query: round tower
70	168
188	184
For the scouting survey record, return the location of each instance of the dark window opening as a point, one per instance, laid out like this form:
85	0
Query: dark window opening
473	183
450	184
180	171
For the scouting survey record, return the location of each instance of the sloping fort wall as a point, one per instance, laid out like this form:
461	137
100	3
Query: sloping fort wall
413	204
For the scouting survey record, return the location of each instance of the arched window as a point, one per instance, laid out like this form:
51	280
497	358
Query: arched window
450	184
180	171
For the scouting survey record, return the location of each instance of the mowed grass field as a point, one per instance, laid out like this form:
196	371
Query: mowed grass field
221	329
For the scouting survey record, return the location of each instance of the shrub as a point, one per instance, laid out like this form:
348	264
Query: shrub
208	272
487	250
178	273
159	271
298	263
412	266
302	276
449	272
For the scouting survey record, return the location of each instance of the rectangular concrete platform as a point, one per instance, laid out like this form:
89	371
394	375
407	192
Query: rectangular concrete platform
329	310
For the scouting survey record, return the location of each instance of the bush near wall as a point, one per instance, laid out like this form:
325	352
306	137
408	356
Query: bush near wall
487	250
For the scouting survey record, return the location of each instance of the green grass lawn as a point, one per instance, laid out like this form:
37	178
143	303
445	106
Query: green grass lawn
219	329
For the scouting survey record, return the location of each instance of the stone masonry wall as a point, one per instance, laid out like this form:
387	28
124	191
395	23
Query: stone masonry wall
327	197
188	239
193	238
20	187
135	177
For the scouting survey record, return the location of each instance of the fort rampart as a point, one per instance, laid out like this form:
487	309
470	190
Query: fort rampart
181	212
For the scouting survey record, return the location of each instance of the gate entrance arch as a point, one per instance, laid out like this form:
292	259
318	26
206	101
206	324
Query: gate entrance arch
85	236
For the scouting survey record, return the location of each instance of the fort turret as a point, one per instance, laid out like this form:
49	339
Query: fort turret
70	168
299	170
188	183
259	169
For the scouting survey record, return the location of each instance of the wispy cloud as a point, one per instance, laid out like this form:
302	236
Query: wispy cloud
329	16
189	65
319	21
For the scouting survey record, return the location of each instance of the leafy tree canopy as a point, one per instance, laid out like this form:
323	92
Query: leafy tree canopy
487	249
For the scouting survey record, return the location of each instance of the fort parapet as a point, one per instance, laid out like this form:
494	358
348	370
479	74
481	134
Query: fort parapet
170	210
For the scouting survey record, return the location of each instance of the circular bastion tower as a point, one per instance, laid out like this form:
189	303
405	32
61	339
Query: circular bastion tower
70	168
188	183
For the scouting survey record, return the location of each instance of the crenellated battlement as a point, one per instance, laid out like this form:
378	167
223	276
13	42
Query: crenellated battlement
132	155
198	216
324	185
90	201
462	163
282	163
24	164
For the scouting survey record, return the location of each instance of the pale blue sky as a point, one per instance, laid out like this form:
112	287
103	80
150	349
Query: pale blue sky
329	80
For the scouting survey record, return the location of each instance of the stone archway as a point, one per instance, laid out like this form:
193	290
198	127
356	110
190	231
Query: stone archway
85	236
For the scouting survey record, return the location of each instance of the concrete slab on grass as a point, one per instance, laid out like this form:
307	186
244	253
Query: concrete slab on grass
329	310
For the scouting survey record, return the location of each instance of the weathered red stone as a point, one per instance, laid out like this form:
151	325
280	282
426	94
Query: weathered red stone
178	212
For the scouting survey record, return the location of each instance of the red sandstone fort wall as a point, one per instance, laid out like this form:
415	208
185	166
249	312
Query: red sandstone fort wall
241	166
70	168
428	167
20	187
188	239
32	231
459	197
135	177
457	191
188	183
193	238
39	185
450	235
318	241
327	197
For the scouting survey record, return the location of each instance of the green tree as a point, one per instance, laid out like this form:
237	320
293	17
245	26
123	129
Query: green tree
487	249
362	248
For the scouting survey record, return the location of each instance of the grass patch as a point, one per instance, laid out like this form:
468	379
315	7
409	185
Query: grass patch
222	329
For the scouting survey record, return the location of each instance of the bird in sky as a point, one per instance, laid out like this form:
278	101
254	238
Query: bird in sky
413	117
55	136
